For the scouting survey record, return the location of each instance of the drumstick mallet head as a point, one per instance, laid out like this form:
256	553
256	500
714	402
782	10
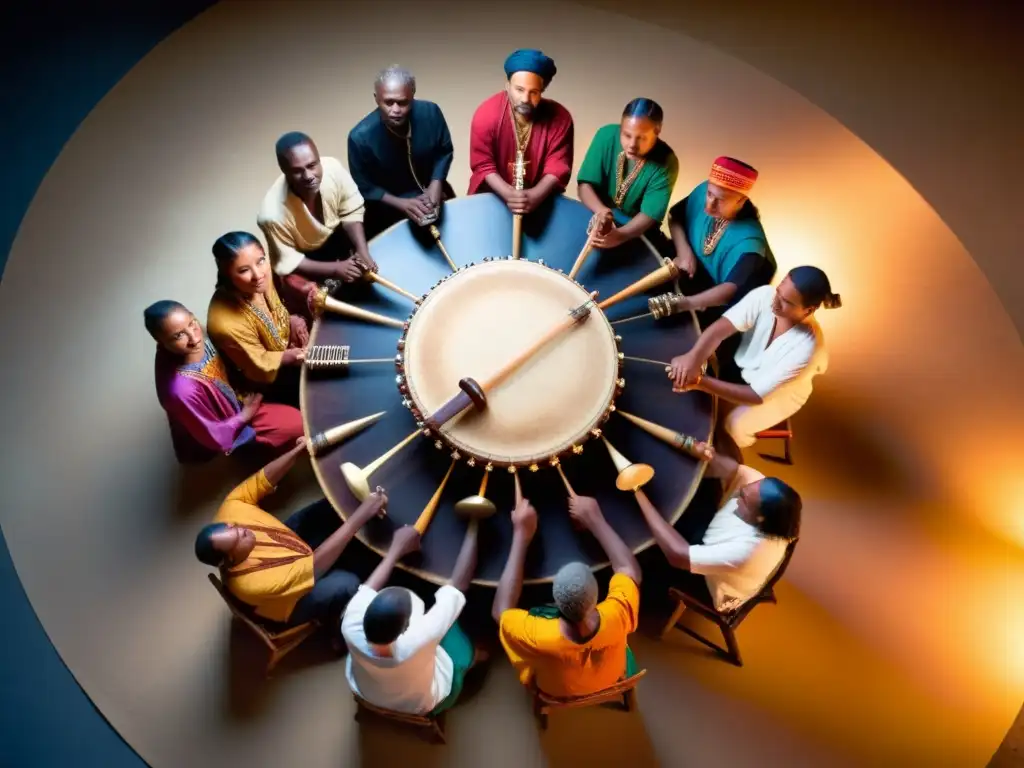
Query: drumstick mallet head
321	441
476	508
358	478
631	476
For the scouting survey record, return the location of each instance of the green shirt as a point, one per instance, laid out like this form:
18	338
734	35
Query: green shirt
650	191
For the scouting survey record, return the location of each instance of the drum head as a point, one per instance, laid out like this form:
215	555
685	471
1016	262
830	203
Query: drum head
476	322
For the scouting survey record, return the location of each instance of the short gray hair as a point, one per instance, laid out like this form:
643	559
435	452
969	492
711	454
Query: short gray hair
575	591
395	74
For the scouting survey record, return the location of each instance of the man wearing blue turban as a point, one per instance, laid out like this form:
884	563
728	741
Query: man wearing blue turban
519	119
738	547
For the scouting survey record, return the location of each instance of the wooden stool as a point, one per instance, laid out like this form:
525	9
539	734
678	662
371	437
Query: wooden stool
623	691
435	723
727	622
280	642
782	431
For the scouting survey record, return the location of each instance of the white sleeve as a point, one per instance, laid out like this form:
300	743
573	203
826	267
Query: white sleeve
767	380
448	604
352	620
717	559
744	313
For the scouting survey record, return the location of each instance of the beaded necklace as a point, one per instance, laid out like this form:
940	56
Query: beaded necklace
622	185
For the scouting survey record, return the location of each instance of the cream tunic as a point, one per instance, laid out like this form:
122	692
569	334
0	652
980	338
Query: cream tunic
781	374
292	231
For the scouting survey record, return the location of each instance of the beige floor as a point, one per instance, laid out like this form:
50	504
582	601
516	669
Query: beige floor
896	638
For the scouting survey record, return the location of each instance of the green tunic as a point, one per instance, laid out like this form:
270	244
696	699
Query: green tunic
650	191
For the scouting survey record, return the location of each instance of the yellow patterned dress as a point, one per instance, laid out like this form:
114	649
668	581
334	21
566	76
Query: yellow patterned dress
248	336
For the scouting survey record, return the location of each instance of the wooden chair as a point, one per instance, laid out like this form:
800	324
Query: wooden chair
782	431
623	692
435	723
280	641
727	622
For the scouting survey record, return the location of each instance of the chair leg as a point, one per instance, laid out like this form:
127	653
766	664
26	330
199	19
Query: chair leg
672	620
629	700
438	732
788	452
275	657
734	648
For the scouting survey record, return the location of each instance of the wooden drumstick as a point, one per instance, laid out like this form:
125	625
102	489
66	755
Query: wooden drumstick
592	230
519	489
673	438
474	393
358	478
373	277
436	233
519	183
667	271
321	441
565	481
321	302
428	511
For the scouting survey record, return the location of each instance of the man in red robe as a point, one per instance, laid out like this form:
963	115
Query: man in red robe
519	117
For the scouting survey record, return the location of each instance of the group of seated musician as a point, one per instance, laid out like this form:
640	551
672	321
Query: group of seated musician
407	658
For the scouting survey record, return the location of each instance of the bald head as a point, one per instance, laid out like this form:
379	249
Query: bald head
387	616
575	591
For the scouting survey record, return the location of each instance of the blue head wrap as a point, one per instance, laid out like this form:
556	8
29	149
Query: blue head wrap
204	545
531	60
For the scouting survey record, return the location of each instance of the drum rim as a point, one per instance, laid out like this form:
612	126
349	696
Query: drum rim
461	450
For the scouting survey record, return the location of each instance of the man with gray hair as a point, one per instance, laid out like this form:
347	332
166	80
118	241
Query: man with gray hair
578	645
400	155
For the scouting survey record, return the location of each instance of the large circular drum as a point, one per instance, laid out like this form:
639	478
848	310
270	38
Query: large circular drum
472	321
472	324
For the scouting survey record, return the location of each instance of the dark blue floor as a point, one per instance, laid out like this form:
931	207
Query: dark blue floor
57	61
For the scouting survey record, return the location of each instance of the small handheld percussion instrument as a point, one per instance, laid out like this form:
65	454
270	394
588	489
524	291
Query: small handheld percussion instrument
335	356
659	307
470	323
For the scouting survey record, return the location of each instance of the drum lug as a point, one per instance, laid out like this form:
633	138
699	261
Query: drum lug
456	455
555	461
620	383
577	449
489	467
401	344
438	444
534	468
399	379
541	262
471	462
618	339
399	359
595	432
511	469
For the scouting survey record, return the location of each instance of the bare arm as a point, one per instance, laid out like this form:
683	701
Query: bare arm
585	511
465	565
709	340
317	270
278	468
543	188
713	297
668	539
327	554
405	541
511	584
742	394
499	186
590	198
636	226
356	233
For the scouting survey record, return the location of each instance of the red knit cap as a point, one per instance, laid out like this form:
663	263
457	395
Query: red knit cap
732	174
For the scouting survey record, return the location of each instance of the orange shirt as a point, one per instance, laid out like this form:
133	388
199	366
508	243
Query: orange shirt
560	667
279	570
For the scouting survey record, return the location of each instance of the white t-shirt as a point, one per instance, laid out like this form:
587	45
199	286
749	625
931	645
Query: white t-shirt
418	675
792	360
736	559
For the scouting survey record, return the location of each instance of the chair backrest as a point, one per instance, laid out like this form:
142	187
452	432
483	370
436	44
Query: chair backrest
617	689
781	570
390	714
239	609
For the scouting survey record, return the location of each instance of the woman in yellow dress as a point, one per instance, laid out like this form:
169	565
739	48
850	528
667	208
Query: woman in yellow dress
250	325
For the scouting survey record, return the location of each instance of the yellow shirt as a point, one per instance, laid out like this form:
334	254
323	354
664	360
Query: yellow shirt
293	231
250	338
558	666
272	588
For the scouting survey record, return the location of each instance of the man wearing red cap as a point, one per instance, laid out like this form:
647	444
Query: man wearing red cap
520	118
719	241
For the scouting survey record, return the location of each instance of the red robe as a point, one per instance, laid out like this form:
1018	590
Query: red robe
492	143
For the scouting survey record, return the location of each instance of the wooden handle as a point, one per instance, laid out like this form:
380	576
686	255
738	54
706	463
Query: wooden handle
351	310
385	283
667	271
483	484
517	234
581	258
519	489
444	251
428	511
470	393
509	368
565	480
376	464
